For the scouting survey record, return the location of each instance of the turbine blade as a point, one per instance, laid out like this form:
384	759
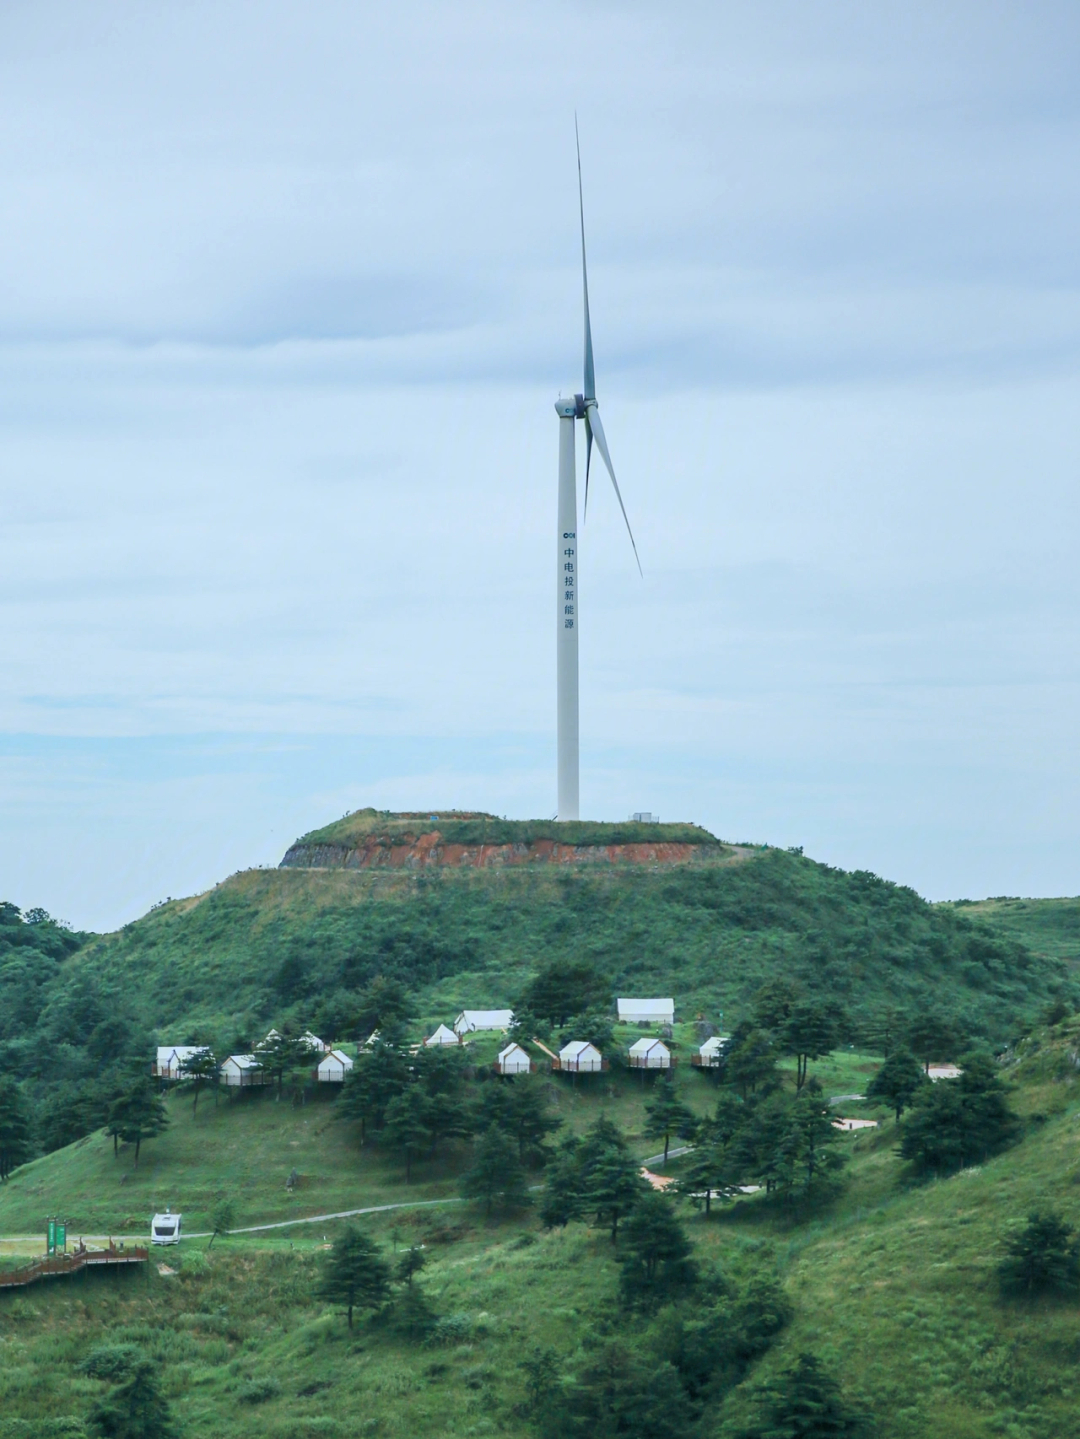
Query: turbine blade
589	386
601	445
588	461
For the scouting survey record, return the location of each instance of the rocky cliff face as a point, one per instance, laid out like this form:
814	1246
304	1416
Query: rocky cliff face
420	851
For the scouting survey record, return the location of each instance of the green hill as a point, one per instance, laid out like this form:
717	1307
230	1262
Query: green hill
301	945
892	1285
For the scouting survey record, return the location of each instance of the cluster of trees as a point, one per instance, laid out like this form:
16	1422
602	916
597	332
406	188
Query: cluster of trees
686	1334
1044	1258
412	1103
357	1276
134	1407
952	1123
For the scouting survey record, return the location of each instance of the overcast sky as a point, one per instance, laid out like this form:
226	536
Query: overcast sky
287	292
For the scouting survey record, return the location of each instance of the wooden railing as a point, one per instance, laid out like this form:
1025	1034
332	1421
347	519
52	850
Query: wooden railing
72	1263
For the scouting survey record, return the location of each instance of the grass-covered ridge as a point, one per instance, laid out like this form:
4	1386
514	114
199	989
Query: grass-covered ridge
467	828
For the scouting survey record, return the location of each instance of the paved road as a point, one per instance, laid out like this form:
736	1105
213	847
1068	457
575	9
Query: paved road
308	1219
248	1229
672	1154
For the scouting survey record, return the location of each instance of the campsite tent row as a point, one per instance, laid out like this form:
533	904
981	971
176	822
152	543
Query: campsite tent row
240	1070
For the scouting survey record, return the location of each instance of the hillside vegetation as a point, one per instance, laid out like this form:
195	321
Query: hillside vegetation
891	1285
302	946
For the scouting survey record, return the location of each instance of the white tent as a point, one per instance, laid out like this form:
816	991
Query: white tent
334	1068
314	1042
646	1011
650	1054
708	1056
580	1057
171	1057
242	1069
441	1036
513	1060
944	1071
472	1019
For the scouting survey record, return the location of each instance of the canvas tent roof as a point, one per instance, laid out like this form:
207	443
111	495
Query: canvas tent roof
335	1056
513	1059
470	1019
714	1045
578	1049
314	1042
655	1047
176	1054
441	1036
639	1011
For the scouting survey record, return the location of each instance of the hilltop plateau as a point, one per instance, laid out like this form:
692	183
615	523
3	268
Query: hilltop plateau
370	838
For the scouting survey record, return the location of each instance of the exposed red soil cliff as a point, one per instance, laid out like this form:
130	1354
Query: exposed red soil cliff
381	852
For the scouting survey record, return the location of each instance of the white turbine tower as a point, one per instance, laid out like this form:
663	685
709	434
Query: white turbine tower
581	407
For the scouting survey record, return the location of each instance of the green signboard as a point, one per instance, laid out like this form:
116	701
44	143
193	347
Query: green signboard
56	1240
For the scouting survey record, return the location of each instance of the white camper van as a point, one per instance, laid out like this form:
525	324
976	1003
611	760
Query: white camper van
165	1228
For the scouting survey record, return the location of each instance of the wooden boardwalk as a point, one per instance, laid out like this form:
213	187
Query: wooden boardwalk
74	1263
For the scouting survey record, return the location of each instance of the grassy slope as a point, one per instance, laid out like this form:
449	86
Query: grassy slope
248	1145
1048	927
894	1286
264	941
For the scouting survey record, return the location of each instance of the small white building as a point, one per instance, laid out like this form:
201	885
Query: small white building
172	1057
470	1020
944	1071
709	1053
240	1070
441	1036
314	1042
646	1011
580	1057
650	1054
513	1060
334	1067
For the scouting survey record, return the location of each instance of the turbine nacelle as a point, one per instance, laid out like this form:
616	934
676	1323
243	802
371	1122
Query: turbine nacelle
573	409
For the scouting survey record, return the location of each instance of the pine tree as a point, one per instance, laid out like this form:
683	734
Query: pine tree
496	1175
379	1075
527	1114
666	1114
355	1273
407	1125
413	1314
563	1198
897	1081
201	1068
611	1182
410	1264
656	1256
810	1031
16	1131
806	1403
1043	1259
135	1409
223	1218
138	1113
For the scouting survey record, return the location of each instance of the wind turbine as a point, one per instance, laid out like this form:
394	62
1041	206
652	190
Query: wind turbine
568	571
